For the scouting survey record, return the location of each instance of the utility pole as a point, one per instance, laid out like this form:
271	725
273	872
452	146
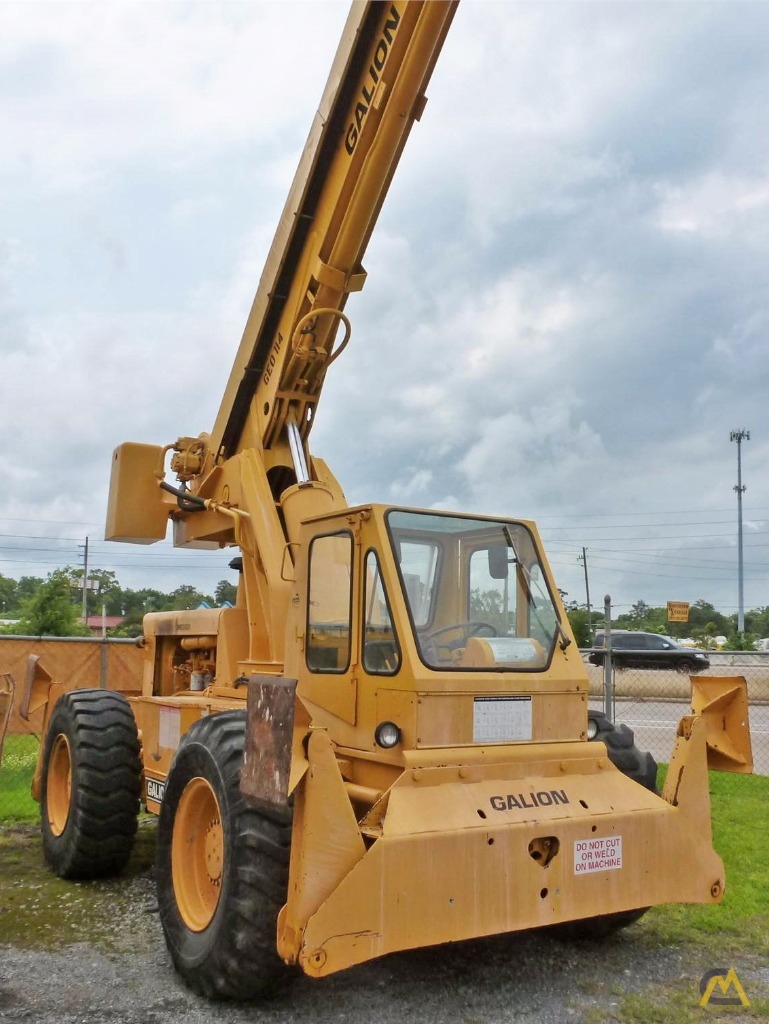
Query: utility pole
739	436
85	583
608	674
583	558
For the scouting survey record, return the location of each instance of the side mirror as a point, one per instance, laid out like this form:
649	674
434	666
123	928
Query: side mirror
499	561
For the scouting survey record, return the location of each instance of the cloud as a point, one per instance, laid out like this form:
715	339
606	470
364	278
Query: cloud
90	88
567	300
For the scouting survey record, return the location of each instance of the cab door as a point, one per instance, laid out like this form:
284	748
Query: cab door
331	622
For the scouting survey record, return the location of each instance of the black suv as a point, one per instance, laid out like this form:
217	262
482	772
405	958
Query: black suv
630	649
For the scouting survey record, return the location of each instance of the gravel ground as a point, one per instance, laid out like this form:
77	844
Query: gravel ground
531	979
126	975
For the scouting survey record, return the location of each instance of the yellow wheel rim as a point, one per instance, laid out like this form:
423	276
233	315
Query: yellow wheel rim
59	784
197	854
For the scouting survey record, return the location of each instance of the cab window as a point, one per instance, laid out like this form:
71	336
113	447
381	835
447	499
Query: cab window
491	599
419	568
476	592
329	604
381	653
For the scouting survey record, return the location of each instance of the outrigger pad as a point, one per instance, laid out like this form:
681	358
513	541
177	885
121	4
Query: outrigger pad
267	754
722	701
7	691
37	683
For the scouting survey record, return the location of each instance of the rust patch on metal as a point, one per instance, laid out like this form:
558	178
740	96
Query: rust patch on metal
269	733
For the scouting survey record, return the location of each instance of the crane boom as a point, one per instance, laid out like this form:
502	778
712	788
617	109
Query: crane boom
374	93
251	482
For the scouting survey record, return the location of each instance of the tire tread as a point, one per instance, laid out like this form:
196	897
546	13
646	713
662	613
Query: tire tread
106	782
239	959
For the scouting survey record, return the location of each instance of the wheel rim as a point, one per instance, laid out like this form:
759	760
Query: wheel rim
197	854
59	785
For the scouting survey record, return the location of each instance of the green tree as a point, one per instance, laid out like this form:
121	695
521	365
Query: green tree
704	618
26	589
737	641
8	598
486	606
645	618
757	622
225	591
135	604
580	625
50	612
639	612
186	596
108	592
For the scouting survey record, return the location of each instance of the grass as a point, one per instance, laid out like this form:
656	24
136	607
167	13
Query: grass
40	910
669	1005
734	933
740	811
16	770
37	909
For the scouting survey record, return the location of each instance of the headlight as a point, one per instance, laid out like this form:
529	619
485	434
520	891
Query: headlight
387	734
592	728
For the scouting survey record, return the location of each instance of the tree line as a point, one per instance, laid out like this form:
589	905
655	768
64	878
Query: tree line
53	606
704	625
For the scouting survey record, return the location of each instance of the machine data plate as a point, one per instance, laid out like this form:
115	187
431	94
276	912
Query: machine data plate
501	719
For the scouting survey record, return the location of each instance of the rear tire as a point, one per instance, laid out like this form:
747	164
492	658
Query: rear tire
222	868
638	765
596	929
91	783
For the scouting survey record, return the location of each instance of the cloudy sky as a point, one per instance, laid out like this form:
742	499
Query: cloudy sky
567	308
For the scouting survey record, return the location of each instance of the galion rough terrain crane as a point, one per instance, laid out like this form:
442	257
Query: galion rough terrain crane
356	758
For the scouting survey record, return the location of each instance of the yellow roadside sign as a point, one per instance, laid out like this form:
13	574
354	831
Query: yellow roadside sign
678	611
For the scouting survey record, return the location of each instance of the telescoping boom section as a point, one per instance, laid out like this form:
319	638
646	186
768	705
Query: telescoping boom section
251	480
388	741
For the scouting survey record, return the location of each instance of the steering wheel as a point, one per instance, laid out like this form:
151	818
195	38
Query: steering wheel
468	629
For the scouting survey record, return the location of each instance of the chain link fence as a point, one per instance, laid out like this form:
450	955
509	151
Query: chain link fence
77	662
652	701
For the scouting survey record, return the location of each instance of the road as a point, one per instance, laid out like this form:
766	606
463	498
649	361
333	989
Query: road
654	724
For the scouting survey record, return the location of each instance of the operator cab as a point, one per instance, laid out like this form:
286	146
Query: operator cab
475	591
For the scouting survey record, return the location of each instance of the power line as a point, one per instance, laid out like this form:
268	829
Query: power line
667	576
673	537
669	559
663	512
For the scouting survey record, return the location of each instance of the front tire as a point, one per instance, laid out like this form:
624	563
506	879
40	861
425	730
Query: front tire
222	868
90	786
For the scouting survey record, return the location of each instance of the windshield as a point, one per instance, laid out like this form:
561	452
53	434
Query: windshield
475	590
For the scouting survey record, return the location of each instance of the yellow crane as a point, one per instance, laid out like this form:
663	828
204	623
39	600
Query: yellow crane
360	756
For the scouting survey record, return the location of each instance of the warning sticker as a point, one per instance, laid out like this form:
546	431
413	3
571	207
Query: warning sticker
170	728
597	854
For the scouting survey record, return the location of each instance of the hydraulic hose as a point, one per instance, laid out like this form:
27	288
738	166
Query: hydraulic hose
187	502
